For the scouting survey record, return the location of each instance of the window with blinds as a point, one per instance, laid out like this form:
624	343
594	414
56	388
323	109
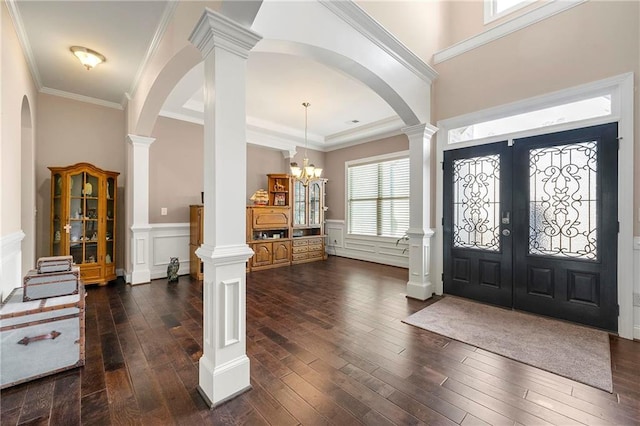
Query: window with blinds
378	198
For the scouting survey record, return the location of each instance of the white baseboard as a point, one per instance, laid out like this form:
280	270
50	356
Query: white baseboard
636	332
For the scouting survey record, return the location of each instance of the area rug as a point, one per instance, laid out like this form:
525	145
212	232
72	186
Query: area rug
576	352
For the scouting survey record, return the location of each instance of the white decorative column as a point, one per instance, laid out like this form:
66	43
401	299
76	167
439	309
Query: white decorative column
138	207
419	285
224	365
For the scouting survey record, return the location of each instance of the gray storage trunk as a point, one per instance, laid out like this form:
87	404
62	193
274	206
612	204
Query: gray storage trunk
54	264
40	337
52	284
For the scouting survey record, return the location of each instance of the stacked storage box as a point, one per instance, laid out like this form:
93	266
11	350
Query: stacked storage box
55	276
42	326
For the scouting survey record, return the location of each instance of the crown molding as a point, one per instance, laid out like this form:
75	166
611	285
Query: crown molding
153	47
531	17
81	98
359	20
12	6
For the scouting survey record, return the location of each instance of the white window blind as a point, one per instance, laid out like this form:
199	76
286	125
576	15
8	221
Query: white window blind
378	198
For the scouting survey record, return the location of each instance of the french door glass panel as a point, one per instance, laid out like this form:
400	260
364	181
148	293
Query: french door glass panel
476	202
563	201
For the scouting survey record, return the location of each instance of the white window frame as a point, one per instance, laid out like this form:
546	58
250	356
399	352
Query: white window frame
362	161
490	7
621	89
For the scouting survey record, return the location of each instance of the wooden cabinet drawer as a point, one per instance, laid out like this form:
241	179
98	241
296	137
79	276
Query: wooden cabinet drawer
315	254
270	218
314	241
300	249
299	243
299	256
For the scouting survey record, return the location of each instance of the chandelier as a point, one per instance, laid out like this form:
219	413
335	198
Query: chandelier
307	171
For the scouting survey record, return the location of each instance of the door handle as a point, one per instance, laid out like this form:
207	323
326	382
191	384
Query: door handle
506	232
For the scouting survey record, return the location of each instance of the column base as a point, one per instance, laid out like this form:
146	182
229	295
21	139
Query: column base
420	291
225	382
140	277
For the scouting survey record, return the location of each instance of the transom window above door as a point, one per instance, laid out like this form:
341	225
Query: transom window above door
593	107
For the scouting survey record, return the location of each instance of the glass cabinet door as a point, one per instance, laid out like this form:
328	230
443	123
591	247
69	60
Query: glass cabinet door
90	220
83	217
57	222
299	204
110	221
314	203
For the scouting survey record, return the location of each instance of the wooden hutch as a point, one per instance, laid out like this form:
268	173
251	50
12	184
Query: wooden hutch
290	229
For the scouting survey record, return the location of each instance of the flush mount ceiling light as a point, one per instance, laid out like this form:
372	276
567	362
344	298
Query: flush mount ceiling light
307	171
89	58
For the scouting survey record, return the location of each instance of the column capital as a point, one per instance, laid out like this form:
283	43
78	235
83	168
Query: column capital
224	255
420	130
216	30
137	140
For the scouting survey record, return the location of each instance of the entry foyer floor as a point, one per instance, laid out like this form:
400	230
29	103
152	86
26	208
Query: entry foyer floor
327	346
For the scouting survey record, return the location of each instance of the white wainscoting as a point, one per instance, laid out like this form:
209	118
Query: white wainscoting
372	249
10	262
168	240
636	288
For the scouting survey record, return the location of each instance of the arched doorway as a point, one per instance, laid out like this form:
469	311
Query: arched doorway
27	187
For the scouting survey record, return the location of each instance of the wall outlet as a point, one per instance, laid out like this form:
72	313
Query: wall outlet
163	211
636	299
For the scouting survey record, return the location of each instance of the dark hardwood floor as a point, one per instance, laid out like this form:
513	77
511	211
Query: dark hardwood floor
327	346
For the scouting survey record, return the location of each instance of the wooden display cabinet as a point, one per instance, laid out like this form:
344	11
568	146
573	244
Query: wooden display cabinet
308	208
83	219
196	220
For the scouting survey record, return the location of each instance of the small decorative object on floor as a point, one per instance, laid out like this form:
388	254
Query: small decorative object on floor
172	269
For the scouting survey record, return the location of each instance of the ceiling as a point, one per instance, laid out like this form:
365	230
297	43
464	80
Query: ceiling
343	111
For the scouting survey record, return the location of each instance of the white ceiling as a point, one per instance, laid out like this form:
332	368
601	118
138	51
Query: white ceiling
124	31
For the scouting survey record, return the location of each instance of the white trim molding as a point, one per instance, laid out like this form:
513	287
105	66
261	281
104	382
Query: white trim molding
16	18
360	21
383	250
10	262
167	15
168	240
519	22
621	90
81	98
